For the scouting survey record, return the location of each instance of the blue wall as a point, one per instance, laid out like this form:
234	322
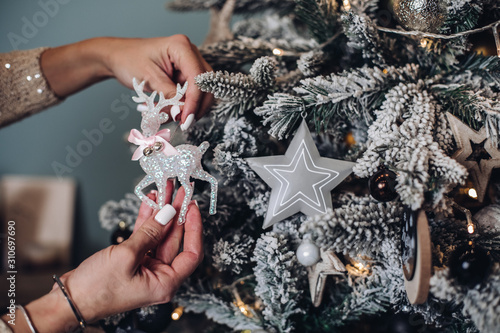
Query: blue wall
29	147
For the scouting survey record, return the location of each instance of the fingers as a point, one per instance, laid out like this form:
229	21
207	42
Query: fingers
192	255
189	63
150	234
145	211
170	247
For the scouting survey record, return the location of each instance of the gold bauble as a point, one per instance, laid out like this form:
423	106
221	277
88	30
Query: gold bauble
420	15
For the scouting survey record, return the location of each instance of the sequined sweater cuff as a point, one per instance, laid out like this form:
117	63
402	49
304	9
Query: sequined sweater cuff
23	87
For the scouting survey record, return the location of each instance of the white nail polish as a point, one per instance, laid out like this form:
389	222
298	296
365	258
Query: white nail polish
188	122
174	111
165	214
142	107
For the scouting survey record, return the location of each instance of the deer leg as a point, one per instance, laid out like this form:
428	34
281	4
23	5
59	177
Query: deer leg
203	175
188	189
146	181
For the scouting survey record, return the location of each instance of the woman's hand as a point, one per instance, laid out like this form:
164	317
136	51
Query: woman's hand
161	62
127	276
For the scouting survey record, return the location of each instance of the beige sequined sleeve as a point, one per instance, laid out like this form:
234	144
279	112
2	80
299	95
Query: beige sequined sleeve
4	328
23	87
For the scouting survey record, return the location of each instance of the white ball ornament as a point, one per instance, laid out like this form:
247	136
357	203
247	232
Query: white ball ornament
308	253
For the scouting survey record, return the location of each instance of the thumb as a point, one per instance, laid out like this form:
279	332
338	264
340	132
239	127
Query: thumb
151	232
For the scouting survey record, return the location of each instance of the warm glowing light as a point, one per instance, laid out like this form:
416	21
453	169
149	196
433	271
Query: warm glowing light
359	266
470	228
277	52
385	71
347	5
423	42
472	193
349	139
177	313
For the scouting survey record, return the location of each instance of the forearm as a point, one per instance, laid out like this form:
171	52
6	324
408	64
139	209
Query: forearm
50	313
71	68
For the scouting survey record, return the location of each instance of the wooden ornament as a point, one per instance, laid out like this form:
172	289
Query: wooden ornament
476	152
417	288
317	274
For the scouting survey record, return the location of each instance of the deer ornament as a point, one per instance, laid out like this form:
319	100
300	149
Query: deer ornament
159	159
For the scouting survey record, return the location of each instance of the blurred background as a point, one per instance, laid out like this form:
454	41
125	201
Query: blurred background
29	149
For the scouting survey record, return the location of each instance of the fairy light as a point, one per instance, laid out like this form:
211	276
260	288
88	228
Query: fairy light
470	228
177	313
347	5
277	52
423	43
241	305
472	193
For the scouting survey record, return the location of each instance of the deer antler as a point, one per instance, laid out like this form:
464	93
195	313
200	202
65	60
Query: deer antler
174	100
141	96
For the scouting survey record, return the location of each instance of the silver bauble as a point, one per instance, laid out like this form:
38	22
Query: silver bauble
420	15
489	217
308	253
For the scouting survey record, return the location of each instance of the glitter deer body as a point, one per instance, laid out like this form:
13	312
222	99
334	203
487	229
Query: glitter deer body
160	160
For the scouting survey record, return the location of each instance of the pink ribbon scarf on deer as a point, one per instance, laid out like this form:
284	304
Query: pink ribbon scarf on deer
162	136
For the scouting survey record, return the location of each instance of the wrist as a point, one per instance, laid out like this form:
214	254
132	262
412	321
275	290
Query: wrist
52	313
71	68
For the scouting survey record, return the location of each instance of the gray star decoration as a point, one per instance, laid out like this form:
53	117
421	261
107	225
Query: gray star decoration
476	152
301	180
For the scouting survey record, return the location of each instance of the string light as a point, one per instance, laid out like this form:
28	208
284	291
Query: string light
471	227
241	305
419	34
472	193
347	5
497	38
358	268
277	52
177	313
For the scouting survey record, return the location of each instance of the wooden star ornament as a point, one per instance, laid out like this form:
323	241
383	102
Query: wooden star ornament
317	274
476	152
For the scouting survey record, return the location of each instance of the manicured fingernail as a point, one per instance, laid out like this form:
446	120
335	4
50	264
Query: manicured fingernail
142	107
174	111
165	214
196	203
188	122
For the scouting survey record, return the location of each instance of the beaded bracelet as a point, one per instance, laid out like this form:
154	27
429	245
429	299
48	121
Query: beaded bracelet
28	320
77	313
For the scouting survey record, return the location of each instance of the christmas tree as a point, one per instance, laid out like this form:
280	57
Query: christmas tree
405	94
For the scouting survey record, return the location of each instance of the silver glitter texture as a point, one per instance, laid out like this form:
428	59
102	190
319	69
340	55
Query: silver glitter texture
420	15
160	167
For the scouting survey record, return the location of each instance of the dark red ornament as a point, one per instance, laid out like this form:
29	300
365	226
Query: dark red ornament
469	265
382	185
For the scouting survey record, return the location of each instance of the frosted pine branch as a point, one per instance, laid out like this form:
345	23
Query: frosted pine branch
113	212
232	254
217	310
481	304
402	139
359	226
282	111
278	274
